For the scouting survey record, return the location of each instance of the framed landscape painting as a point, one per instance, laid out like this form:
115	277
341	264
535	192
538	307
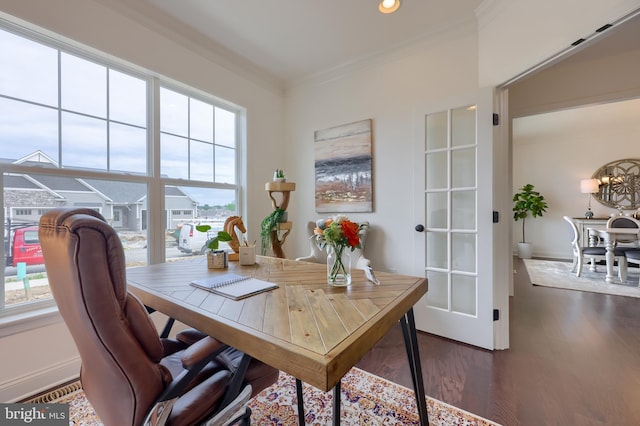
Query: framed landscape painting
343	168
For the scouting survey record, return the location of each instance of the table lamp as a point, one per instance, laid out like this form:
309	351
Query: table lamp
589	186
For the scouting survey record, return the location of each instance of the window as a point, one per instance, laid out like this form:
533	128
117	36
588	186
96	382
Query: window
74	132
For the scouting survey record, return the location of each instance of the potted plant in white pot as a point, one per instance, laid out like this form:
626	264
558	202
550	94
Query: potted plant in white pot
527	202
215	259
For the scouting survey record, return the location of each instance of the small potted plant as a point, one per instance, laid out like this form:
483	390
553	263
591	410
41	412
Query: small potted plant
278	176
215	258
527	202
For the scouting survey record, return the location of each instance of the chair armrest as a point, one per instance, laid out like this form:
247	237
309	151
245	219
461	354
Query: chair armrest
190	336
203	349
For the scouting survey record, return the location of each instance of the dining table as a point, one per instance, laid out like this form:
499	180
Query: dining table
610	236
307	328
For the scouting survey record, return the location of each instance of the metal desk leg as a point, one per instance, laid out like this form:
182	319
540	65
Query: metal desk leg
411	343
336	405
300	402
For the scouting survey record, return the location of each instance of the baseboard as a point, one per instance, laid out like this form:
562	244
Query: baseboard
22	388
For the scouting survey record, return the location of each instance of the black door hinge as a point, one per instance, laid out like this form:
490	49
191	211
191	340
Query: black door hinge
496	217
496	315
496	119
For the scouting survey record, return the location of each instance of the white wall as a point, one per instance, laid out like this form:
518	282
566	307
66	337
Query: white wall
554	151
388	91
515	36
38	358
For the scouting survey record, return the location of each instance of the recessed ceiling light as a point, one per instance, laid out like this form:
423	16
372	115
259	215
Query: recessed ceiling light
388	6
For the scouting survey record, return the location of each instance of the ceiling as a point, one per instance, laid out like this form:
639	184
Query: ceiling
293	39
289	40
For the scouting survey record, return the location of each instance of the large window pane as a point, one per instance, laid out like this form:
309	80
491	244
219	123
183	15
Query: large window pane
174	112
201	164
201	119
84	86
28	196
208	206
28	70
175	156
127	99
126	147
225	127
84	142
225	165
19	140
195	157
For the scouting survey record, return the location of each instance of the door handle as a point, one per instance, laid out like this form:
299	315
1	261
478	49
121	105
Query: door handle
419	228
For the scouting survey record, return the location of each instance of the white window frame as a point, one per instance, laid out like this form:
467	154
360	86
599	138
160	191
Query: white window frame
26	316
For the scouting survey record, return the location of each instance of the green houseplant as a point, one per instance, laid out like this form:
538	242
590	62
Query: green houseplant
268	225
213	242
527	202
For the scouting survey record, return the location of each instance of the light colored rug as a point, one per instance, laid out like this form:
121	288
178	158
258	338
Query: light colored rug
556	274
366	400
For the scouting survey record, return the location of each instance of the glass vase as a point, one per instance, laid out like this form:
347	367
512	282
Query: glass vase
338	266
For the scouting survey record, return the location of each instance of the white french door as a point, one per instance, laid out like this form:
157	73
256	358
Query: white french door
453	211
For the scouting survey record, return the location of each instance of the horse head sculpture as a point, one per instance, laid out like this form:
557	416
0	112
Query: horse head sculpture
230	226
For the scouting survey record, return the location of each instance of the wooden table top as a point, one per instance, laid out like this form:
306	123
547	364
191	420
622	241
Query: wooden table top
306	328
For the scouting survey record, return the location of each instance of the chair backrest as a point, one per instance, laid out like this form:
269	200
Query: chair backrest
320	256
117	341
575	234
624	222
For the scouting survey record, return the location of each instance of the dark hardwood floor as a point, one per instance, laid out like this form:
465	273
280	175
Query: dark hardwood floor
574	360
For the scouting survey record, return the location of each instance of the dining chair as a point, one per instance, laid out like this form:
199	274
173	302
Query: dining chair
624	222
633	256
317	255
594	254
130	374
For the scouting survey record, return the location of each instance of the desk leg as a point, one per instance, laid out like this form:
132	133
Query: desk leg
336	405
300	402
411	344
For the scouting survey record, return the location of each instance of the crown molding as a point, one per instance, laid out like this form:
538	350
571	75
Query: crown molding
158	21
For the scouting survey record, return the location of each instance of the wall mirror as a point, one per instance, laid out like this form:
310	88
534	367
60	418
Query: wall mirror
619	184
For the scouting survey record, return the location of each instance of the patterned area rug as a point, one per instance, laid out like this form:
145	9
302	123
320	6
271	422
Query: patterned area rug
366	400
549	273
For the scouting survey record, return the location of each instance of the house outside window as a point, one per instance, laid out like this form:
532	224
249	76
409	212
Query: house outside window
75	132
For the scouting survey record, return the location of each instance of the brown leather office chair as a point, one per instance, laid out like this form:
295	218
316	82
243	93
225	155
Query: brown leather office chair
129	374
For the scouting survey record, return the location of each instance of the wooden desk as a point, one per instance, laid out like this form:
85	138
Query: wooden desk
305	328
609	236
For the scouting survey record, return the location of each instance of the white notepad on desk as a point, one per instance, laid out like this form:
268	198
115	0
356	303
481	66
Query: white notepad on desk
233	286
